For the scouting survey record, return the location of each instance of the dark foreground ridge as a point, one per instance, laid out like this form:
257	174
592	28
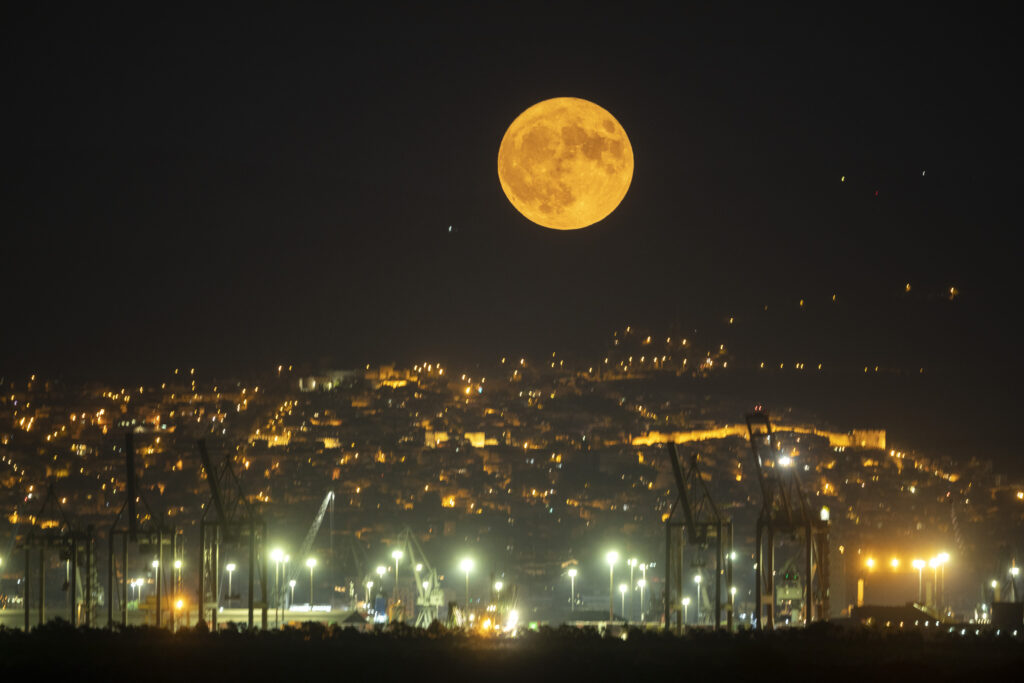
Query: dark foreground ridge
314	652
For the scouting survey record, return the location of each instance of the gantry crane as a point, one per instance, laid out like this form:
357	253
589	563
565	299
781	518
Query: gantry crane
150	532
236	519
703	525
429	594
785	513
53	530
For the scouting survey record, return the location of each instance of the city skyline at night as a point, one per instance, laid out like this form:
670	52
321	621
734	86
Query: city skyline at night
649	323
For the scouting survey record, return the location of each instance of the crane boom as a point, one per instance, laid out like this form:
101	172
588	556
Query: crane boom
314	529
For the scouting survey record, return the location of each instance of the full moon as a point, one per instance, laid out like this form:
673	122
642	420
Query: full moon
565	163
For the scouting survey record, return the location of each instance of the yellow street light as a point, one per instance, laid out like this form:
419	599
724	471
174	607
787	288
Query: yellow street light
895	563
870	563
919	566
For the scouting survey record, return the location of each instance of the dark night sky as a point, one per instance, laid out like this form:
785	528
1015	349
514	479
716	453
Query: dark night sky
239	189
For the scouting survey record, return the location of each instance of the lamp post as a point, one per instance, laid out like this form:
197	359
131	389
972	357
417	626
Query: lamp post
572	589
291	584
231	569
396	555
632	562
943	559
697	579
642	583
311	562
622	589
643	577
919	566
686	606
612	557
177	580
934	565
466	565
277	555
1014	572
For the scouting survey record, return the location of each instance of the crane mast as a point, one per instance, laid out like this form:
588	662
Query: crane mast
694	519
785	513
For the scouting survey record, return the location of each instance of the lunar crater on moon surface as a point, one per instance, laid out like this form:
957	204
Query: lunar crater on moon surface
565	163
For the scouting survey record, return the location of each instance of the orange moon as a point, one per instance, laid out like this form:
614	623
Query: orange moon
565	163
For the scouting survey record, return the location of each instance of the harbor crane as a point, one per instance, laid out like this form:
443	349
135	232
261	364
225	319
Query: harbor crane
55	531
429	594
694	519
235	520
785	513
149	532
307	543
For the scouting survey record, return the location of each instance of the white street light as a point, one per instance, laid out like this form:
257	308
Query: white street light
277	555
612	557
631	563
642	583
231	569
396	555
291	584
311	562
622	589
572	589
466	565
686	605
697	579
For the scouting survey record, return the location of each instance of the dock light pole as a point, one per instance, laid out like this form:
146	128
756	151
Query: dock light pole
641	584
697	579
572	589
231	566
396	555
643	577
1014	572
277	555
919	566
466	565
943	558
311	562
686	609
291	584
612	557
623	588
632	563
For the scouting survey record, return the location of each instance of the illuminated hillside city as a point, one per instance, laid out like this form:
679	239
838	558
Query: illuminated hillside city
531	491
